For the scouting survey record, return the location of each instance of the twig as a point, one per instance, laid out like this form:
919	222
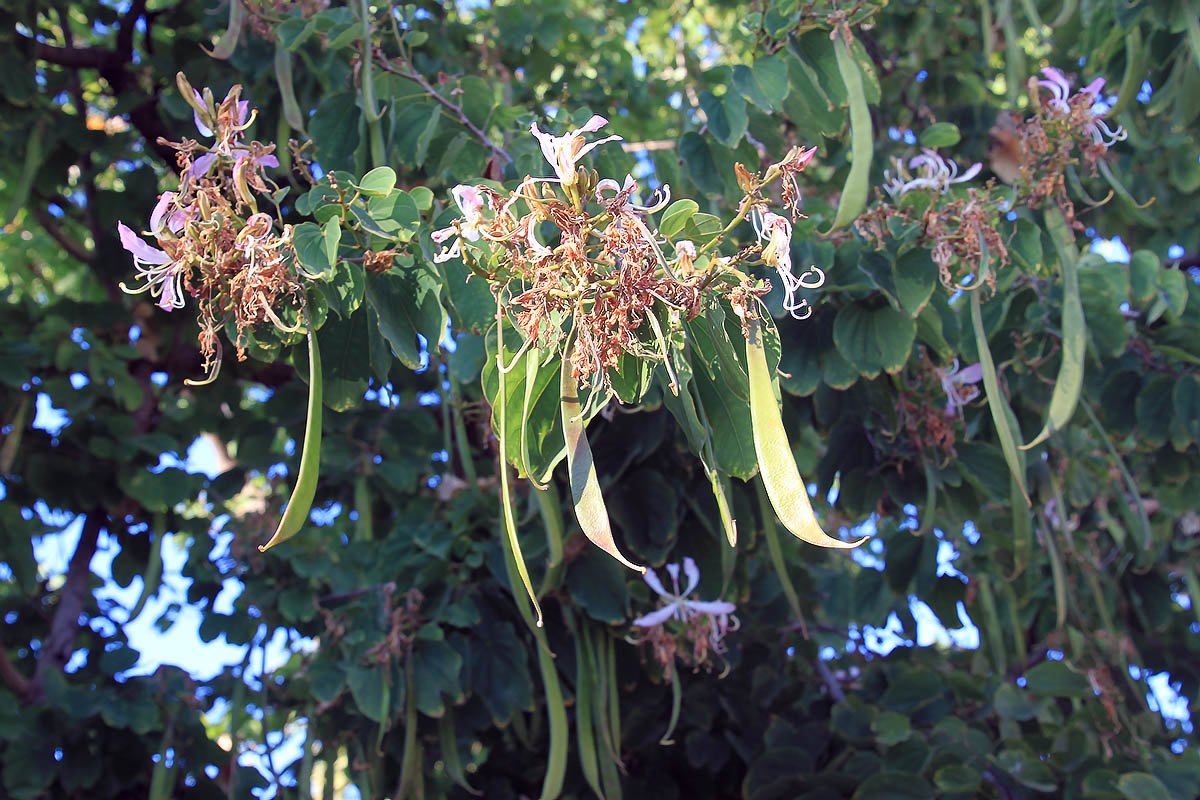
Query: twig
59	644
453	108
652	144
20	685
831	681
73	248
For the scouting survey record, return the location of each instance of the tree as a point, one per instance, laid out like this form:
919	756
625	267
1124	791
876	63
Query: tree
343	261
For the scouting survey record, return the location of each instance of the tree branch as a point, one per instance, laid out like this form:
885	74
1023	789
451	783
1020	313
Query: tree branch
73	248
452	107
12	676
60	643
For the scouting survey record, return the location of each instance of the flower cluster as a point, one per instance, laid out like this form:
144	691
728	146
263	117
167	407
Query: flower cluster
1033	154
213	242
593	259
1066	128
927	423
704	623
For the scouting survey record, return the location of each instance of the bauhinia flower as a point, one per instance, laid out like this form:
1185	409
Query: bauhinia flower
624	194
1061	101
162	275
678	606
776	231
563	152
470	202
934	173
958	385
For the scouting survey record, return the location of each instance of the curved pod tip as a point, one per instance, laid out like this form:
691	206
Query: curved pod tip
300	503
585	486
785	488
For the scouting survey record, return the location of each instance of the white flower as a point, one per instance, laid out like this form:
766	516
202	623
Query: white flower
163	277
958	385
563	152
1060	87
934	173
658	201
470	202
679	607
776	231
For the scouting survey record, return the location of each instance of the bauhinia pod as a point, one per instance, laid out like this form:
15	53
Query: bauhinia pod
1069	383
300	503
585	486
854	192
785	488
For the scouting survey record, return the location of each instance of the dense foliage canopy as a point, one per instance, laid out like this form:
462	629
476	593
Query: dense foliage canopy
305	235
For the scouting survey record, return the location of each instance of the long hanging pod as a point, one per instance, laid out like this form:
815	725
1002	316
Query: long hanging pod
1002	416
1074	332
585	486
780	477
862	147
510	524
300	503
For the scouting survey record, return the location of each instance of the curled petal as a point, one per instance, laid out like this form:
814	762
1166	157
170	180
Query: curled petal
712	607
654	583
693	575
815	282
142	252
656	618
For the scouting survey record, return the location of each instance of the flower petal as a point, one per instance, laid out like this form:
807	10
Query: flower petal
141	251
713	607
693	575
654	583
656	618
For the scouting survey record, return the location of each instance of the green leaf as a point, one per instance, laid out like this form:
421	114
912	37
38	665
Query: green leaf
732	432
326	680
309	241
957	779
345	289
416	125
597	583
644	508
1143	276
497	668
395	214
874	340
700	164
727	119
940	134
1186	398
368	686
676	216
1012	703
436	667
1173	283
1056	678
407	303
336	141
1155	408
894	786
379	182
891	728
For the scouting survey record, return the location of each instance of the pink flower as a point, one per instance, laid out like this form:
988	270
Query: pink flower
934	173
470	202
243	108
658	202
563	152
1060	87
163	277
679	607
776	231
958	386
